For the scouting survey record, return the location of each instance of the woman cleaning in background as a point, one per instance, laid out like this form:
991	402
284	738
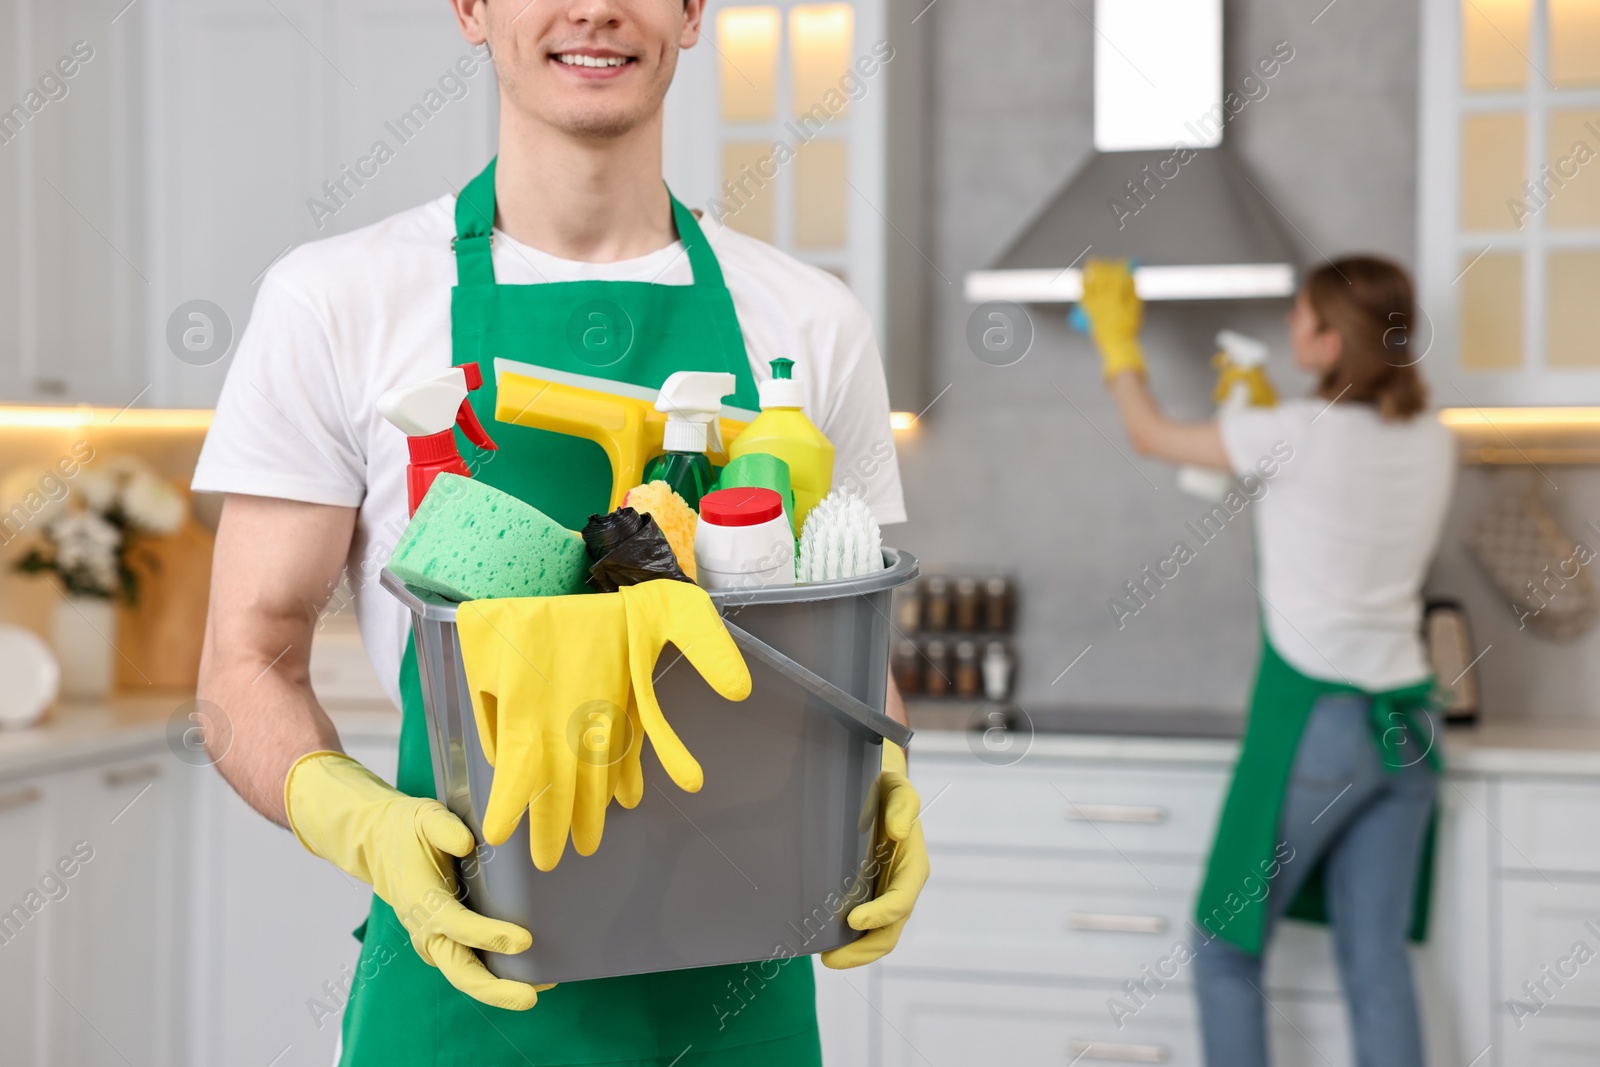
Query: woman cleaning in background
1330	808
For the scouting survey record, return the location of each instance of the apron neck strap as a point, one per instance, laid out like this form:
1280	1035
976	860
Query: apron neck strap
702	261
475	225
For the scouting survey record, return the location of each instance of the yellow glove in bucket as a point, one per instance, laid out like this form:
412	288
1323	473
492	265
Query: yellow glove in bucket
902	859
1115	315
662	611
401	846
549	684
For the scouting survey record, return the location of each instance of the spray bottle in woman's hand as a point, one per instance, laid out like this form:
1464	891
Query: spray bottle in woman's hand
1242	382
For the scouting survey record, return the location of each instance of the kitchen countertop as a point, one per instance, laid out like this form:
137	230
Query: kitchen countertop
75	733
81	732
1513	747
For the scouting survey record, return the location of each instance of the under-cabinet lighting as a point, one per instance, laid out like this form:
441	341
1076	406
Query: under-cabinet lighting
48	417
1220	281
1554	419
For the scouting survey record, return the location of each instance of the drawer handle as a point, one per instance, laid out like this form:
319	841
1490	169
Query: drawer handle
21	798
123	776
1100	1050
1117	813
1117	924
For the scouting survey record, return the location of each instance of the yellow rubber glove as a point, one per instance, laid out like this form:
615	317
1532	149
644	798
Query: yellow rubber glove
902	856
662	611
401	846
549	684
1115	315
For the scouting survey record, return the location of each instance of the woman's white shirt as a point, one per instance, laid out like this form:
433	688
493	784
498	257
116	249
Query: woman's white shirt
1348	523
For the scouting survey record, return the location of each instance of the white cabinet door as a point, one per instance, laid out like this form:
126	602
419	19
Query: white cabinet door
264	118
274	953
239	106
116	933
1077	917
934	1023
23	834
1549	938
1551	1041
78	275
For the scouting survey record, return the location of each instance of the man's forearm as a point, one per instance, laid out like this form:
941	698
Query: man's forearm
268	718
275	565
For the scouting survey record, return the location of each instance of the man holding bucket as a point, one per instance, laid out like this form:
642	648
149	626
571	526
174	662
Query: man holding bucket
572	215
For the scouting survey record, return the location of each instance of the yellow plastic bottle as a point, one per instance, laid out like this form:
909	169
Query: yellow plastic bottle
783	430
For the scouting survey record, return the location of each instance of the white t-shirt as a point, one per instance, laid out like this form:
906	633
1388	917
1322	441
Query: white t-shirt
1349	519
340	321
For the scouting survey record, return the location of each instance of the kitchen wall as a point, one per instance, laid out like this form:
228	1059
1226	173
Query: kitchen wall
27	453
1044	482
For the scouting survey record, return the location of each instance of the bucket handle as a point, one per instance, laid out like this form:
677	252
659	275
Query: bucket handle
819	687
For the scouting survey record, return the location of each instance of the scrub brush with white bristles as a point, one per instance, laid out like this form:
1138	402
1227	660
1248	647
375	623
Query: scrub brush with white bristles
840	539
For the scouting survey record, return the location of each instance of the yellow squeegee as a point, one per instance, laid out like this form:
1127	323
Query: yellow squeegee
619	417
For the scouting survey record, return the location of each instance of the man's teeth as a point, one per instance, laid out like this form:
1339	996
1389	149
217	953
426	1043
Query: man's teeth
574	60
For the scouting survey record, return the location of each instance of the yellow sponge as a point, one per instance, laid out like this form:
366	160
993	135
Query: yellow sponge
675	517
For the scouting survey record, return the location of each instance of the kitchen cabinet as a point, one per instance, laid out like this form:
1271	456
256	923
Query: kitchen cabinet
260	112
115	949
274	958
1508	204
93	976
960	1023
1058	880
801	124
187	155
23	834
73	276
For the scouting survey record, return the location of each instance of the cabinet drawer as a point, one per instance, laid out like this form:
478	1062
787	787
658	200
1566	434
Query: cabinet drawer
1074	917
1541	930
932	1023
1094	809
1550	1041
1070	917
1550	826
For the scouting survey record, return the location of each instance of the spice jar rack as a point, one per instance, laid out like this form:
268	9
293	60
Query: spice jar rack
953	637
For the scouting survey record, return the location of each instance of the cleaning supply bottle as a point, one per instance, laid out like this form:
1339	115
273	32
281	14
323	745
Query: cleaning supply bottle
691	400
1241	364
783	430
426	413
619	417
742	540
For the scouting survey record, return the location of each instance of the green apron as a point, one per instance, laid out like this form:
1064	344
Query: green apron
1244	854
402	1012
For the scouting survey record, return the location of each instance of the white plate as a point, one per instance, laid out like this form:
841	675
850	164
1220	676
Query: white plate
30	678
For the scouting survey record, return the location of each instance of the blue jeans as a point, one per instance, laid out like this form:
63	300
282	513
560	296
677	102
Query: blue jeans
1369	823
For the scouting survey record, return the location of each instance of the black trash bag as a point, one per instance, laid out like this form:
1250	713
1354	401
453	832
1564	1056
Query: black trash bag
643	556
603	533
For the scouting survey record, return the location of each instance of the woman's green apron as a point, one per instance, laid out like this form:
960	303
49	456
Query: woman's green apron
402	1013
1232	903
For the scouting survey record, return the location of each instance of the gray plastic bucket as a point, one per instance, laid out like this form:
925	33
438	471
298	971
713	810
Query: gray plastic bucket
764	861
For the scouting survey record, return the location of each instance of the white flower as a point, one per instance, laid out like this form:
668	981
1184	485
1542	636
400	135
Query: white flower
87	544
98	491
152	504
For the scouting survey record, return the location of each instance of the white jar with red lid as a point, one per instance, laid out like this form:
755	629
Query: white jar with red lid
743	540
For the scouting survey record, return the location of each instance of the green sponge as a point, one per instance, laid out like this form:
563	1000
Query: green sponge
469	541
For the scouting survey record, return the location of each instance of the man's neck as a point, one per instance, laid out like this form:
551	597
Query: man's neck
594	200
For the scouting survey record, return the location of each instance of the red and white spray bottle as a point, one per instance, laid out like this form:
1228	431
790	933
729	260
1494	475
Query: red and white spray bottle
427	413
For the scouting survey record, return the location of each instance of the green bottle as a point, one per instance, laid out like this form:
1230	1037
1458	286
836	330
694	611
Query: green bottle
691	399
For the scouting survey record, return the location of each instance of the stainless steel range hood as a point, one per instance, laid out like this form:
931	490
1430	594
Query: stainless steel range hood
1159	189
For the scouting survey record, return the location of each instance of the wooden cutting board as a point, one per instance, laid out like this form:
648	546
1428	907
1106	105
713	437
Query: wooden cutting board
159	638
